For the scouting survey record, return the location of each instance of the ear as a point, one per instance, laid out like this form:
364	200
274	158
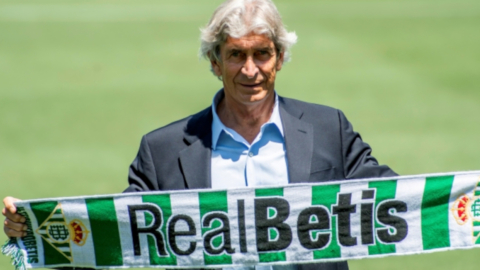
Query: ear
215	67
280	61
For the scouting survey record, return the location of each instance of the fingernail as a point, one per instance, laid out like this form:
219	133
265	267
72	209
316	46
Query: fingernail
24	234
25	227
23	219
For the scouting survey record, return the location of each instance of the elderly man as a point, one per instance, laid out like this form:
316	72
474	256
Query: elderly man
249	136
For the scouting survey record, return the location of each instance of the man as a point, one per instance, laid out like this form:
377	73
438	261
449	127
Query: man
250	136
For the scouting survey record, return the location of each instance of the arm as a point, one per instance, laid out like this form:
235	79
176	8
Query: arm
357	159
141	174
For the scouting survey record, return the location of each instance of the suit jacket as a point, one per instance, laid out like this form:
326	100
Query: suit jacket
320	146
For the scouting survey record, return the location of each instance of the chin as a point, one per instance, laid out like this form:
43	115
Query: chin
257	97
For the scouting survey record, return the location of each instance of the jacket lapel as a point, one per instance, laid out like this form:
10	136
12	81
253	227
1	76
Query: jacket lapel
298	141
195	159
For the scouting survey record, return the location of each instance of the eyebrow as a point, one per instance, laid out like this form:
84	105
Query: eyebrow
269	49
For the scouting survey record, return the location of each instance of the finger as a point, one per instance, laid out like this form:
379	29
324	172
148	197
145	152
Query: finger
10	210
15	217
16	226
12	233
9	204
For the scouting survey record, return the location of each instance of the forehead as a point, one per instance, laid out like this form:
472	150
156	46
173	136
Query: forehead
249	42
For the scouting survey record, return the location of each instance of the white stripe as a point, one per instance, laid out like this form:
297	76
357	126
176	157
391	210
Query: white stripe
296	252
38	238
187	204
242	258
77	209
461	235
355	225
411	192
121	207
66	249
57	216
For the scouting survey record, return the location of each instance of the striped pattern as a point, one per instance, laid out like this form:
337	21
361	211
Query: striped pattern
475	210
214	202
55	253
222	228
273	256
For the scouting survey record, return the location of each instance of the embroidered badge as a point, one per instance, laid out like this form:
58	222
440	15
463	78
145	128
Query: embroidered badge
56	232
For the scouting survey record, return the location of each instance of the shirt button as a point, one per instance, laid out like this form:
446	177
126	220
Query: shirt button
250	154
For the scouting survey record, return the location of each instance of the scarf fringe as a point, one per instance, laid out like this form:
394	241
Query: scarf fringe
11	249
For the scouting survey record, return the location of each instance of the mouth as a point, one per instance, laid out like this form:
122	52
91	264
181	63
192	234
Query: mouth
251	85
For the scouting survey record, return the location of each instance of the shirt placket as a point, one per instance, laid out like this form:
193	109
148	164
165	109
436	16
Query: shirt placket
251	180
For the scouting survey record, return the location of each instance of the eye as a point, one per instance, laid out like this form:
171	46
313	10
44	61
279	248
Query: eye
235	54
263	54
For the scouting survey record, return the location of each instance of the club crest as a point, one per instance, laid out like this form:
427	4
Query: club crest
60	234
466	209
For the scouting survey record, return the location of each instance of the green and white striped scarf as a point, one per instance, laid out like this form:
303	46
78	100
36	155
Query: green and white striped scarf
301	223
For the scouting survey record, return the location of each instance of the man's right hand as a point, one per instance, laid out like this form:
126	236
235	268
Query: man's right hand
14	225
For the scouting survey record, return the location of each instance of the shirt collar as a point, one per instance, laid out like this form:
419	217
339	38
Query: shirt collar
218	126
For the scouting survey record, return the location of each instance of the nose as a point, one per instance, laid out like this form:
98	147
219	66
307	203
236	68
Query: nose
250	69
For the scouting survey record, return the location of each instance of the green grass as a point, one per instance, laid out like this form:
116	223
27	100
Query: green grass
82	81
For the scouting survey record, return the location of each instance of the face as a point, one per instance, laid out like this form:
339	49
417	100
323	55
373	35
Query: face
248	67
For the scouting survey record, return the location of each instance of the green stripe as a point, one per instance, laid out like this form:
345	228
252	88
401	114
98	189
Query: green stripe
163	201
42	211
52	255
57	219
384	190
272	257
475	212
327	196
476	237
61	245
214	201
267	192
435	233
105	235
476	191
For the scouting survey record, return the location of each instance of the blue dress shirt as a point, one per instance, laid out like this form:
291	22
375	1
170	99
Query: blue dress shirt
237	163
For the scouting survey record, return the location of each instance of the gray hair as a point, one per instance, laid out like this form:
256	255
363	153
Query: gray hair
237	18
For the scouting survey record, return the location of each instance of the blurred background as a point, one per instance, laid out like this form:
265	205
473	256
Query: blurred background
82	81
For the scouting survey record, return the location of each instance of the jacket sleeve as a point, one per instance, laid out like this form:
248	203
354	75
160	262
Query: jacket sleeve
141	174
357	159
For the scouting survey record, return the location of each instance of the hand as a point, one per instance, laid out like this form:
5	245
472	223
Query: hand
14	223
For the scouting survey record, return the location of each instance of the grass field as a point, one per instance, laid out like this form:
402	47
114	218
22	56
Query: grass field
82	81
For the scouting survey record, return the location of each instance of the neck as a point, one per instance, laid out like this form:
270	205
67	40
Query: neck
246	119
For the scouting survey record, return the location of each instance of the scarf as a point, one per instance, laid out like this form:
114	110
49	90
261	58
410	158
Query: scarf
292	224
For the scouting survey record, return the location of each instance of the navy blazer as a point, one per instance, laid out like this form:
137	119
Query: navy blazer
320	144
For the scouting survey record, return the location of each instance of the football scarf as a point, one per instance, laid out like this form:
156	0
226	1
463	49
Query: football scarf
293	224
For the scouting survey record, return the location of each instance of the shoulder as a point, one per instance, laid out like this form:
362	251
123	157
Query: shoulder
310	112
193	125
